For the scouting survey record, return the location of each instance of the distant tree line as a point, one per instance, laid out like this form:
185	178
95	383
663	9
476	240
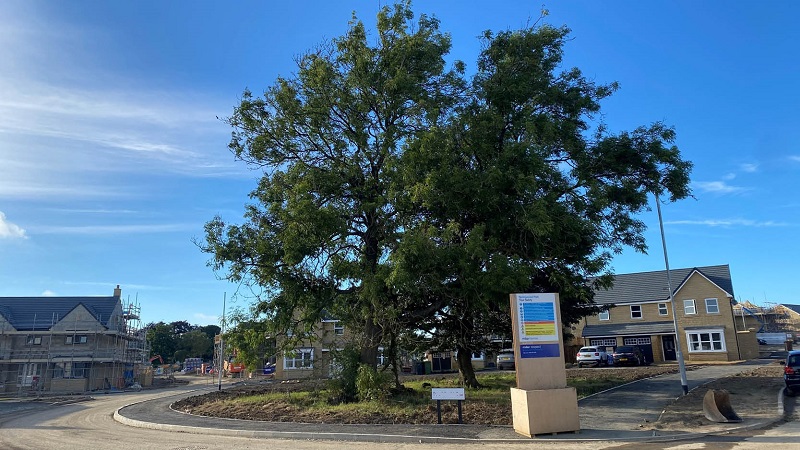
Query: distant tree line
176	341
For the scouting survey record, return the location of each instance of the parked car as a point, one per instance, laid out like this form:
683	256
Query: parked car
592	356
630	355
505	360
791	373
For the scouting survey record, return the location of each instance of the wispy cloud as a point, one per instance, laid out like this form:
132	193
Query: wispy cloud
794	158
205	319
9	230
727	223
748	167
49	293
113	229
717	187
71	124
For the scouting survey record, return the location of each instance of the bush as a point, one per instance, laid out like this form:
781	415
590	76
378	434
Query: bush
342	387
371	384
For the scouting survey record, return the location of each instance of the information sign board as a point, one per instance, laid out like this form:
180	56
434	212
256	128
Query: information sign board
537	318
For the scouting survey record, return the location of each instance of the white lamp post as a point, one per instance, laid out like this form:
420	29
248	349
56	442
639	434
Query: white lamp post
678	351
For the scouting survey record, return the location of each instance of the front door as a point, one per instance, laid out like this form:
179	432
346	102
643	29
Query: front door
669	348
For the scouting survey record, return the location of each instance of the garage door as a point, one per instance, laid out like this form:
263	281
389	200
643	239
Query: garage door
644	343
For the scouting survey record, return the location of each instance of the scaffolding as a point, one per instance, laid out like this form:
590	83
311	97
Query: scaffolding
78	353
770	318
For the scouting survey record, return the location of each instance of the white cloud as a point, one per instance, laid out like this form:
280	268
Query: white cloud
114	229
48	293
749	168
729	223
205	319
71	124
794	158
9	230
729	176
717	187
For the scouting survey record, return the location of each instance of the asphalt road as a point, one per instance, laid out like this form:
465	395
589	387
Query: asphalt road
89	425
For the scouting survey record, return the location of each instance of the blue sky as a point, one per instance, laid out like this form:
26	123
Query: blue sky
112	156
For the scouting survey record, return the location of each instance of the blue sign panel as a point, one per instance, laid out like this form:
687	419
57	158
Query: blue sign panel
540	350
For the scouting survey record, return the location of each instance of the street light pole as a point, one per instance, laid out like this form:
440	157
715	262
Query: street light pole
678	351
221	344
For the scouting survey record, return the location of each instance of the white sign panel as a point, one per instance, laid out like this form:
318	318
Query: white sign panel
447	394
536	318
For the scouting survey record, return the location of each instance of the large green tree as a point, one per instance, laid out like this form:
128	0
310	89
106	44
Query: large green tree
521	193
398	196
324	224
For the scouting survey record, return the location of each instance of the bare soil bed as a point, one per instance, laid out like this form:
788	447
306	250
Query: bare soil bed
217	404
753	396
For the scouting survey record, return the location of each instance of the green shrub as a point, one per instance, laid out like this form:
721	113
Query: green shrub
371	384
342	387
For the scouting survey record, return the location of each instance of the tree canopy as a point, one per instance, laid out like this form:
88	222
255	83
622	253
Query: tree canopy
399	193
176	341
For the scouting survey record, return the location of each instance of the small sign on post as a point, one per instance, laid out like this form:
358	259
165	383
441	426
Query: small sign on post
440	394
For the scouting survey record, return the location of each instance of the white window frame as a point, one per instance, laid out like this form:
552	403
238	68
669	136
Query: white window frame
296	360
716	306
381	357
662	309
606	342
33	340
338	329
637	341
604	315
705	341
689	308
639	309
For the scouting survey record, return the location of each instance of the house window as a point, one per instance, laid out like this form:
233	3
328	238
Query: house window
662	309
608	342
33	340
712	340
338	329
300	358
603	315
382	359
80	370
82	339
712	307
636	311
688	307
637	341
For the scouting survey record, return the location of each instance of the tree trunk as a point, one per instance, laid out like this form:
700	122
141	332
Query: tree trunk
464	358
369	346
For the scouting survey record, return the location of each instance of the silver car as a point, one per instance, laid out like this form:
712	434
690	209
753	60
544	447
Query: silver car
505	360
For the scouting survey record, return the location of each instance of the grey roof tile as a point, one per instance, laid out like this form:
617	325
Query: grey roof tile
628	329
40	313
795	308
652	286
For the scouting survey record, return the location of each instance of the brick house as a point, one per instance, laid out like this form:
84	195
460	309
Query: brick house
313	358
639	313
68	344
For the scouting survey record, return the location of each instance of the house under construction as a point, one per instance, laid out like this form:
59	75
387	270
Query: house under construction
771	318
69	344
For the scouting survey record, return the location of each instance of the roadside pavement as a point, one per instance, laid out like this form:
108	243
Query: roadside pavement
620	414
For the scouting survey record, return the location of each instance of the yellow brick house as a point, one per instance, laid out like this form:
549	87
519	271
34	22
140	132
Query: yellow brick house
639	313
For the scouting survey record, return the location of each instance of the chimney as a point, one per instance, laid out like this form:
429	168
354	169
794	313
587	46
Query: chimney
117	292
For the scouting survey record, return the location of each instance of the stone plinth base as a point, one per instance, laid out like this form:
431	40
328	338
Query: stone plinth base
545	411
